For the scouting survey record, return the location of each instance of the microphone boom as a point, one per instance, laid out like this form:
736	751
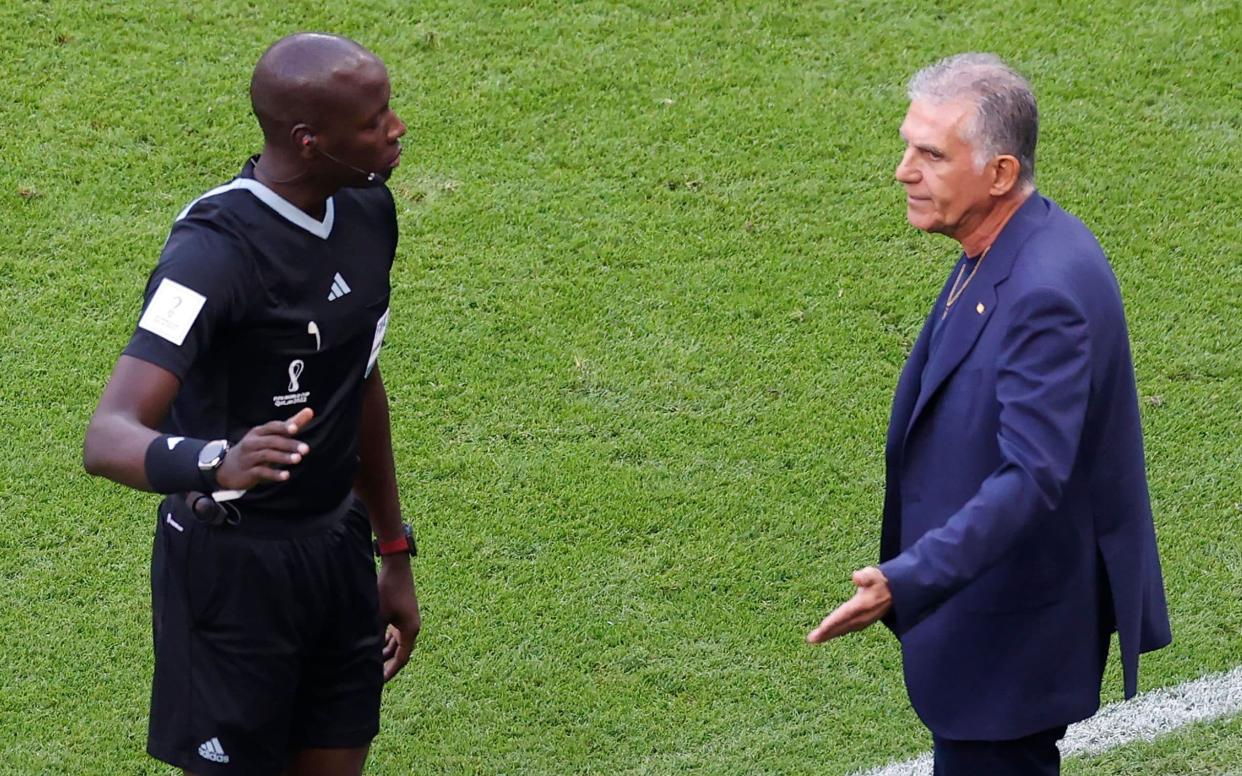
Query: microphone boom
371	177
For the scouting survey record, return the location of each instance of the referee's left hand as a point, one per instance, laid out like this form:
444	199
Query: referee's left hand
398	609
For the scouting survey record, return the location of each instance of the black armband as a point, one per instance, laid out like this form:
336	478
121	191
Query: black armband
172	464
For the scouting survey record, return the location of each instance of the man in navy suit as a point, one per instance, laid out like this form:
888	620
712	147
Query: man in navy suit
1017	532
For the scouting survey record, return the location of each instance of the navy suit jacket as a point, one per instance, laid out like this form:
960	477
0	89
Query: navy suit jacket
1017	530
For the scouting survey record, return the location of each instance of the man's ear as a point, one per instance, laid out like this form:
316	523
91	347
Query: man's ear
303	137
1005	178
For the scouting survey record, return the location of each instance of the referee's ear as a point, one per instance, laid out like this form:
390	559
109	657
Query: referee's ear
303	140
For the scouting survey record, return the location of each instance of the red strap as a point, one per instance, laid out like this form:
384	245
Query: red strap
394	546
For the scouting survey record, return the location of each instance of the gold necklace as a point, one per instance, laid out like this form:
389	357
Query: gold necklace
955	292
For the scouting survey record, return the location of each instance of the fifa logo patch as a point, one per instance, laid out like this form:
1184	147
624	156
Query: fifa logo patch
295	394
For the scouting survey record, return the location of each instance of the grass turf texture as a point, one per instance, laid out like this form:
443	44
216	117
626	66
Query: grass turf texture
654	289
1197	750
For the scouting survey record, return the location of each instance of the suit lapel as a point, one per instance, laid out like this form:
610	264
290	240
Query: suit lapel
975	306
908	384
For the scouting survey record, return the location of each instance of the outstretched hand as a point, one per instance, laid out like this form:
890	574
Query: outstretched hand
871	601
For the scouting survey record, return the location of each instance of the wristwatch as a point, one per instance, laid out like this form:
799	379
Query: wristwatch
210	458
397	546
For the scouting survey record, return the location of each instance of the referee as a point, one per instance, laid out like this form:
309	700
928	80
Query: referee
251	396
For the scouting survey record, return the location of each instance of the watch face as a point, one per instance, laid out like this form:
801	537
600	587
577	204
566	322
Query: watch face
212	454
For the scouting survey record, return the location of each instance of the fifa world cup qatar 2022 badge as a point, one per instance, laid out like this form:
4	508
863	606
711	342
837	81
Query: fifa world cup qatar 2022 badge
295	394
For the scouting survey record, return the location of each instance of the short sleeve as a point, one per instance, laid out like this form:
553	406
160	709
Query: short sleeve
200	287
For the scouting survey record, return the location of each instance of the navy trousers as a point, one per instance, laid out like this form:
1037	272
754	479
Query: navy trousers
1034	755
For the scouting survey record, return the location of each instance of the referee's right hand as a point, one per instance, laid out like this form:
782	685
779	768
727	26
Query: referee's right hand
264	453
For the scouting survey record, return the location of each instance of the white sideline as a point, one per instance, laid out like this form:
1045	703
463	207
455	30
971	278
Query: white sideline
1141	718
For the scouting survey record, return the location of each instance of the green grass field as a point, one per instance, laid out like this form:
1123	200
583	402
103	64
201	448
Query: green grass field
653	293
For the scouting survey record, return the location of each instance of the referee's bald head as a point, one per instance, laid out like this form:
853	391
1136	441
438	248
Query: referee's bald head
304	78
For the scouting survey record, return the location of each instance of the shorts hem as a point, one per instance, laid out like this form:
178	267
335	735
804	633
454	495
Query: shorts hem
171	756
347	739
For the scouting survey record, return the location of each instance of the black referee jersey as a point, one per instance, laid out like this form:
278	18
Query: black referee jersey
261	310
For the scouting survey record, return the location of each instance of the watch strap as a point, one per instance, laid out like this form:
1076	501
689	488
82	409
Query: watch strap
402	544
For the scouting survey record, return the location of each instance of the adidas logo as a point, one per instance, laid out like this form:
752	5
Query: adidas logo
339	288
211	750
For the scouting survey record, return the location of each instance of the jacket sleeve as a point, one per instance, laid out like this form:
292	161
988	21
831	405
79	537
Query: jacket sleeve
1043	383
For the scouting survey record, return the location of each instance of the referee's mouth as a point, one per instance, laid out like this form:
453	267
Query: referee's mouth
395	160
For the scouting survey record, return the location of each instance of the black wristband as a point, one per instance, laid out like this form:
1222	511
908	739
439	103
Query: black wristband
172	464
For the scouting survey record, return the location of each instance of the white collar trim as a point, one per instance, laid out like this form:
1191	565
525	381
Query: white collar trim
283	207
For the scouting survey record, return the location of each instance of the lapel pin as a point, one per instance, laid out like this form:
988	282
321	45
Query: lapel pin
979	308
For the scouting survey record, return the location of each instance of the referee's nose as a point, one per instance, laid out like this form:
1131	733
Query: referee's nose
396	129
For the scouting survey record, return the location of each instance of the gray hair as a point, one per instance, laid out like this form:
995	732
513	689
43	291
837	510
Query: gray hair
1006	120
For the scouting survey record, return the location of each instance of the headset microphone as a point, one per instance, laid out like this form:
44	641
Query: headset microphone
371	177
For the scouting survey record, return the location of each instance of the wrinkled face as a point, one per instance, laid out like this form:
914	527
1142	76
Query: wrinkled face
364	131
945	192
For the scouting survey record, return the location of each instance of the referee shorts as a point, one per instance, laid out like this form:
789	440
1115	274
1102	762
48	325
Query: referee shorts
267	638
